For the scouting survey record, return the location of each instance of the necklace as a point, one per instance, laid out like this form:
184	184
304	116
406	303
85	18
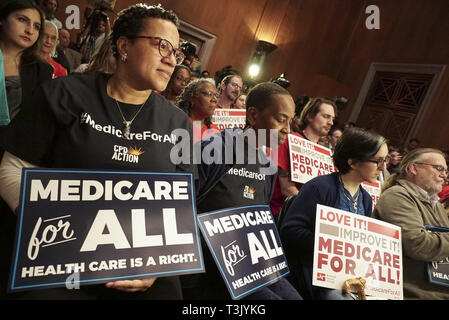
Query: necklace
353	202
127	123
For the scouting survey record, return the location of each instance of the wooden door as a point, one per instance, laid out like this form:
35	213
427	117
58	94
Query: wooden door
392	104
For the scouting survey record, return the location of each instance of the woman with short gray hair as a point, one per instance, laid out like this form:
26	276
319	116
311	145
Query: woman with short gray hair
199	100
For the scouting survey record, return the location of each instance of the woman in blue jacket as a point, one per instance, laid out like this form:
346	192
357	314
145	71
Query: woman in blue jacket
360	155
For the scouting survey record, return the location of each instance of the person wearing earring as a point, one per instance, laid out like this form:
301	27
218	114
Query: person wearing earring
79	121
360	155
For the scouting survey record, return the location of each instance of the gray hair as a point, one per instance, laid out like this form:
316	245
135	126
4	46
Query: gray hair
192	90
411	157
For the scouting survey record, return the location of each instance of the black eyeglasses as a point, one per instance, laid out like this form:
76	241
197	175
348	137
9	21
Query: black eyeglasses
235	86
166	49
380	162
440	169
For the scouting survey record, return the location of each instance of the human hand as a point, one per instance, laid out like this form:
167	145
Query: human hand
138	285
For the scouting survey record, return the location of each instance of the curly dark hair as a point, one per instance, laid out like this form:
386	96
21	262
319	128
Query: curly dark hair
184	100
130	20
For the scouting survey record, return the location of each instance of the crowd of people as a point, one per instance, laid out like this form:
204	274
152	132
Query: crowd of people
133	75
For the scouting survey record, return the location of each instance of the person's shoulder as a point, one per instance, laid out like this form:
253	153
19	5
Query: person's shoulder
160	101
73	52
326	180
75	81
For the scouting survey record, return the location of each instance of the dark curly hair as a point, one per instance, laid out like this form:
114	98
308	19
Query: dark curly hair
130	20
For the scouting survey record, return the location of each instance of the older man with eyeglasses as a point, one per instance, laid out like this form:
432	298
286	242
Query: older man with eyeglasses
410	200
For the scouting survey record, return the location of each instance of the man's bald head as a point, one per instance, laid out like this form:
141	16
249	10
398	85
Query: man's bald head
64	38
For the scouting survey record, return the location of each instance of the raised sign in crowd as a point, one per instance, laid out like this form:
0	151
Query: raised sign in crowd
127	174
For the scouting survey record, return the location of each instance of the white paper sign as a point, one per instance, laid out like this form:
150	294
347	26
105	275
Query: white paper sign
373	189
348	245
308	160
229	118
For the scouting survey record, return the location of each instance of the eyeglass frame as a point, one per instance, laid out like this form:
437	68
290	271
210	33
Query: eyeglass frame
209	94
437	167
235	85
380	162
173	50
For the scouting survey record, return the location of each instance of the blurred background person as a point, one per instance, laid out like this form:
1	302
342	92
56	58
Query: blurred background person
49	7
73	57
178	81
395	159
349	124
334	135
102	61
240	102
96	31
48	48
412	144
205	74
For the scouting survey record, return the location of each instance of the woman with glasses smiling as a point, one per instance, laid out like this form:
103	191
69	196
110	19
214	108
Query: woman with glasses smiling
360	155
80	121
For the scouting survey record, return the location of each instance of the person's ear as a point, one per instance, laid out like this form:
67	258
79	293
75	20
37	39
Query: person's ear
412	169
251	116
122	48
352	163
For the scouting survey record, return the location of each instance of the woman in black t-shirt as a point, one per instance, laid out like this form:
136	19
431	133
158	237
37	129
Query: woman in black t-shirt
80	121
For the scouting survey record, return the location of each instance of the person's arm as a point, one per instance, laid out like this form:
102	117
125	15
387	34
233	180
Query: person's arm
10	178
288	187
298	226
131	285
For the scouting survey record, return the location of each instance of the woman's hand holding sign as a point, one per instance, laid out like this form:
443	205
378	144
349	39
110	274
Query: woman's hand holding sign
131	285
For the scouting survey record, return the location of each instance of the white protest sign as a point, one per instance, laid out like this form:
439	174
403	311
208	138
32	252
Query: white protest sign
229	118
348	245
308	160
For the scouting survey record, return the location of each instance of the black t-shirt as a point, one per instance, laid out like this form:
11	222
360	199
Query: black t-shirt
75	124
